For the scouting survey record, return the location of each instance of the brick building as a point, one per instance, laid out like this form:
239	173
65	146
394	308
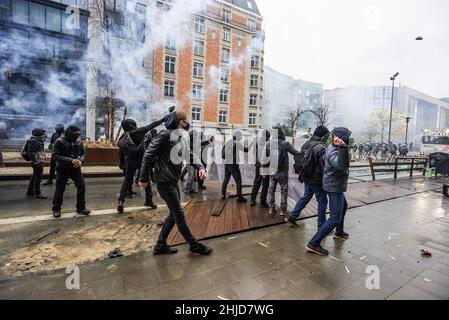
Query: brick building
217	76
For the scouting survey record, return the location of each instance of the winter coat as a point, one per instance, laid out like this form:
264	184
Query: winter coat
65	151
319	150
336	169
36	150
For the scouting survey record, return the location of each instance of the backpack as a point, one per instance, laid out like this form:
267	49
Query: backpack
305	163
128	147
24	152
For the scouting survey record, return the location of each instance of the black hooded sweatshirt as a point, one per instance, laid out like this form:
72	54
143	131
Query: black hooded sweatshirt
68	148
36	149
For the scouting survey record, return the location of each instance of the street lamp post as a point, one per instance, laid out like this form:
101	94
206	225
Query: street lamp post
407	119
393	78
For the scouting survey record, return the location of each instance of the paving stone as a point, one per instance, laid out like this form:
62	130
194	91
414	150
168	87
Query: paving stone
139	280
432	287
273	280
411	292
250	289
282	295
341	295
309	290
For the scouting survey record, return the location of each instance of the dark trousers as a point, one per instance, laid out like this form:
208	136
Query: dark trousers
321	198
51	174
337	207
234	171
34	186
170	193
62	176
128	183
259	181
2	163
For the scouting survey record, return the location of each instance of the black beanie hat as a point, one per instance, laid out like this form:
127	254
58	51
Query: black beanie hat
37	132
343	133
321	132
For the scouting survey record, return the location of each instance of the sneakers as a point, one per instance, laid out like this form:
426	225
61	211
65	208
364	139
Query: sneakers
253	203
150	205
56	214
201	249
292	222
120	207
272	211
30	195
341	236
242	200
164	250
285	213
40	197
84	212
317	250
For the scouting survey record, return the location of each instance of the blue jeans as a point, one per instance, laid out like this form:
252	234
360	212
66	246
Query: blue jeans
321	198
338	207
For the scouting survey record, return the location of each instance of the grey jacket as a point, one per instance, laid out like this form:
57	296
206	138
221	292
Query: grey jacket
336	169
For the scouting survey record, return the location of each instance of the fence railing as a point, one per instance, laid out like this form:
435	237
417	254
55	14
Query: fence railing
411	165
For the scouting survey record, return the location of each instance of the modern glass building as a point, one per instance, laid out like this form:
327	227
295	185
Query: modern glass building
42	69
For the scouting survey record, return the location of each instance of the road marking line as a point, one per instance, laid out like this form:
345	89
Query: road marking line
28	219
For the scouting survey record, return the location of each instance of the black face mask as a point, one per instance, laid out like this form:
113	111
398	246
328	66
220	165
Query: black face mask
187	126
74	136
43	138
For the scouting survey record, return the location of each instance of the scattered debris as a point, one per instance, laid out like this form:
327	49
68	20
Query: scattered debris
131	217
427	280
8	264
115	254
231	238
399	245
392	258
347	269
263	245
426	252
363	258
221	298
45	236
332	257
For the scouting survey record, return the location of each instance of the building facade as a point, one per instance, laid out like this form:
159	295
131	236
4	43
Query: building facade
216	76
351	106
42	65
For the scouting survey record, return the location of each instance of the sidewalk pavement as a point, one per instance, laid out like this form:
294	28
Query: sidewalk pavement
272	263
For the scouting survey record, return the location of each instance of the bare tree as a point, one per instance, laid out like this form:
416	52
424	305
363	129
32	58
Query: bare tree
322	114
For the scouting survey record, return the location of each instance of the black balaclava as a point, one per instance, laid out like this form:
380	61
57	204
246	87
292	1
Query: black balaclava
40	134
129	125
72	133
59	129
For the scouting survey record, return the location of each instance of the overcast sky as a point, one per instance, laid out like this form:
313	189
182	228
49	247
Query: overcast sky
360	42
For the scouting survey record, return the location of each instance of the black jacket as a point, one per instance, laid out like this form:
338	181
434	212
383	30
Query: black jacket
138	135
336	169
233	148
284	147
319	150
157	156
261	146
36	151
65	151
55	136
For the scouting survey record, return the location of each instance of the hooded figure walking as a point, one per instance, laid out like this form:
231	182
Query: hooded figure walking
335	183
131	145
166	153
69	154
36	154
262	177
59	130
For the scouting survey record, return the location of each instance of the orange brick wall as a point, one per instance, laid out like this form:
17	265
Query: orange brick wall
158	74
214	10
210	113
238	79
184	77
239	19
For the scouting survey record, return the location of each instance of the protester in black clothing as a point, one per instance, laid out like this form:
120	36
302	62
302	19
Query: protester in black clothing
204	148
59	130
167	171
36	153
135	136
230	153
122	165
3	136
69	154
262	177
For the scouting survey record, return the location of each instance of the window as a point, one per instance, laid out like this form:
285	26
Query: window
224	93
198	69
254	80
199	48
20	11
37	15
226	15
53	20
170	44
196	114
169	88
197	91
252	119
224	75
225	55
200	25
252	25
255	62
223	116
253	99
226	34
170	64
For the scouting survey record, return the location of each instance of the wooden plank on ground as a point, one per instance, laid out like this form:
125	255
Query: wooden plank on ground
204	220
210	230
228	219
243	214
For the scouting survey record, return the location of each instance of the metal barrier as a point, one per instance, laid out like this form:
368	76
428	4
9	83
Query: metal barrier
413	164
